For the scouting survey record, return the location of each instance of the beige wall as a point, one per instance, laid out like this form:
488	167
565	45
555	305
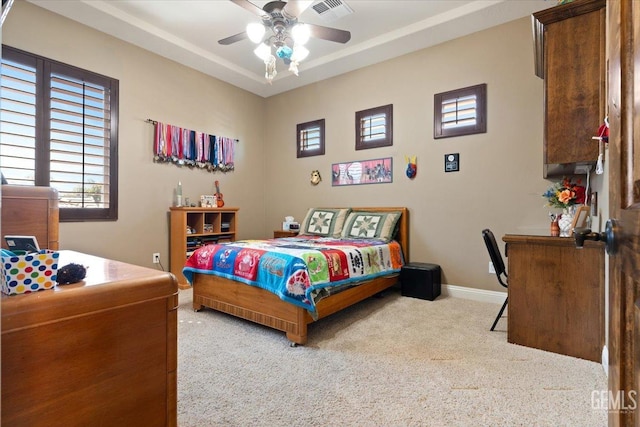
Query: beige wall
152	87
499	185
500	182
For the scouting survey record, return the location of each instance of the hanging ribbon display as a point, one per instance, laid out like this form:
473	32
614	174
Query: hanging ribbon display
184	147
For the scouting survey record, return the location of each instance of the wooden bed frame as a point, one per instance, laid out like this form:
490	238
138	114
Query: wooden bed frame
263	307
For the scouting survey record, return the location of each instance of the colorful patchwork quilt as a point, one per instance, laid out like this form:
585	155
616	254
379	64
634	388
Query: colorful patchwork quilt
297	269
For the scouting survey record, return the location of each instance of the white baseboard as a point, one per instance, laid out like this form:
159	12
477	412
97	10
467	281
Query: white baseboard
474	294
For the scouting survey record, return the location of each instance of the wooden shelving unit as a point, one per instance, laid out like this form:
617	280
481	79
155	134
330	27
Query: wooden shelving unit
192	228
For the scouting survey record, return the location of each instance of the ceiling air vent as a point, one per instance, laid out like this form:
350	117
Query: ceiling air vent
332	10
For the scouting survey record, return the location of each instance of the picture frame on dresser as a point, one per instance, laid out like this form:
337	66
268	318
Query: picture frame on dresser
580	218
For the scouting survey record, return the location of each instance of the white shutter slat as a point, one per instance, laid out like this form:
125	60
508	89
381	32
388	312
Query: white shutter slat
18	122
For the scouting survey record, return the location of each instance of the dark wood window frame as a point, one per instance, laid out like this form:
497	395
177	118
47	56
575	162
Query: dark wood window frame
301	130
365	115
480	126
44	68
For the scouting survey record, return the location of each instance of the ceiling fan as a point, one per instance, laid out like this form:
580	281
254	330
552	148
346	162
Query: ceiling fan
287	35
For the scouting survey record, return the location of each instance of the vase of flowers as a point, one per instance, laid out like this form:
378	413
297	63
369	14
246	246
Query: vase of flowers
565	195
565	221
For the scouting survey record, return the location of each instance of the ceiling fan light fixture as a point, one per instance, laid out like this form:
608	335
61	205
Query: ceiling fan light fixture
255	32
299	53
301	33
263	51
284	52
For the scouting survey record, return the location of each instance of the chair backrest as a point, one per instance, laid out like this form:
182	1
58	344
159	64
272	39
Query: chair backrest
494	254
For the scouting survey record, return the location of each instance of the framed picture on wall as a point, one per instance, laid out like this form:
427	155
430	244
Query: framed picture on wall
375	171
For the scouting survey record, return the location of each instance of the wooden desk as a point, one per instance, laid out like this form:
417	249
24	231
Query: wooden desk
556	295
99	352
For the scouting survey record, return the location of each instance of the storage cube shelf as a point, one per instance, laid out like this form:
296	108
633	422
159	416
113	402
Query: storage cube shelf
192	228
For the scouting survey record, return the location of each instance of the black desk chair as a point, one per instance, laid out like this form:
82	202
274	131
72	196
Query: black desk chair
498	265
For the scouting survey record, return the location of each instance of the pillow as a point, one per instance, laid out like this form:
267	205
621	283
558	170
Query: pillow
326	222
371	225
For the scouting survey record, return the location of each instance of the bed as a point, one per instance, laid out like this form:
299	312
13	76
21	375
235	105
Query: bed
259	305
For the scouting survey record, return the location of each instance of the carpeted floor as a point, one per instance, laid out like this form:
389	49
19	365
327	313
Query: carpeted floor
391	361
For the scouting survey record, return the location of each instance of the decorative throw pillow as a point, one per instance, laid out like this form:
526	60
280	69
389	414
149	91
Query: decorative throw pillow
371	225
324	222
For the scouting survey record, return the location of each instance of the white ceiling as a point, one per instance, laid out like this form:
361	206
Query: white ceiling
188	31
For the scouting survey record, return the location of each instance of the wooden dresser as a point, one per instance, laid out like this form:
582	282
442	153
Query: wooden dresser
30	211
99	352
556	295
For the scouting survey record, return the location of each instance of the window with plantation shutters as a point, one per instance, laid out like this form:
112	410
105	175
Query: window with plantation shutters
310	139
460	112
18	121
374	127
58	128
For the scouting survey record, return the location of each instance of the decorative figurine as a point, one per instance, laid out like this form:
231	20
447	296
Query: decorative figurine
315	177
412	166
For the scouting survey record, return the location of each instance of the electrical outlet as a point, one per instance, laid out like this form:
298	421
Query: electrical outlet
156	258
491	269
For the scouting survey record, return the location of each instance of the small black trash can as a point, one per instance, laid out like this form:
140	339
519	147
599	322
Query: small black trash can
420	280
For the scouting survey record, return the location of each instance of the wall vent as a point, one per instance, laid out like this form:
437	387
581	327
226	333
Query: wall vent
332	10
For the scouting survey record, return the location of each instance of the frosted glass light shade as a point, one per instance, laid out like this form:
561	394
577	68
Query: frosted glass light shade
299	53
255	32
262	51
301	33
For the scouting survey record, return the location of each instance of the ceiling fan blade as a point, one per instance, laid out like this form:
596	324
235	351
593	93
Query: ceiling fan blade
331	34
251	8
294	8
233	39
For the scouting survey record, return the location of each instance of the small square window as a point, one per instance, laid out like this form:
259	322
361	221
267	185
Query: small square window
460	112
310	139
374	127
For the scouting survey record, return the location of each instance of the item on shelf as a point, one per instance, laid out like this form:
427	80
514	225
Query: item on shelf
290	224
209	240
208	201
219	201
208	228
554	230
193	243
179	194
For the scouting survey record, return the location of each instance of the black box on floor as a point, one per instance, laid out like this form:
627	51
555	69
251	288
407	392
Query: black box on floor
420	280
